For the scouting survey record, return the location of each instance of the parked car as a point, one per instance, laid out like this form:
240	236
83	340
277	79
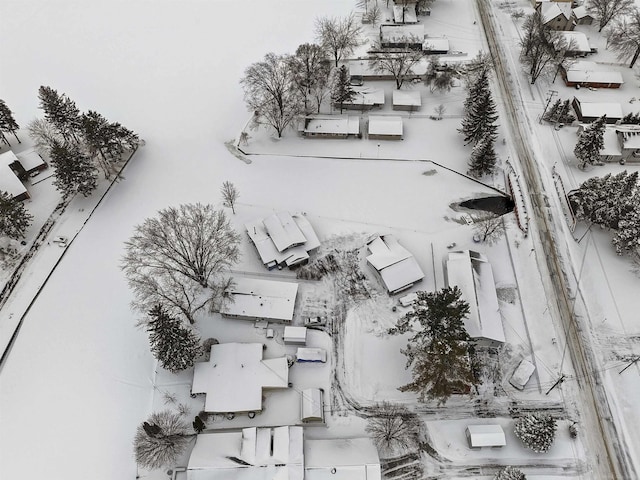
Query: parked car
315	321
61	241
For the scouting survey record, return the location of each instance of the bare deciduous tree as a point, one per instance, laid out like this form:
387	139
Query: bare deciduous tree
270	92
489	228
393	427
541	46
398	64
160	440
339	36
624	37
607	10
178	259
440	76
439	111
43	134
229	195
374	14
310	69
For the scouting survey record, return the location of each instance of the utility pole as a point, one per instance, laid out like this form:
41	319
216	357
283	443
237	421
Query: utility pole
551	94
560	380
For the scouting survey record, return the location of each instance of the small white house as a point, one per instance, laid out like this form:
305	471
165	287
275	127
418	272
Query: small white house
312	405
485	436
295	335
407	100
393	263
383	127
331	127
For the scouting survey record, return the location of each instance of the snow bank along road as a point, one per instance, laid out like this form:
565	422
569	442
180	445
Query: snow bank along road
597	413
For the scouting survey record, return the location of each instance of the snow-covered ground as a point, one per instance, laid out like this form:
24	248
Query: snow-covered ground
80	378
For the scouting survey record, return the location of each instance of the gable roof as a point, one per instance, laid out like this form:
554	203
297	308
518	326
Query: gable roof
473	275
235	375
269	299
598	109
581	12
551	10
385	125
396	266
410	98
486	435
590	72
9	182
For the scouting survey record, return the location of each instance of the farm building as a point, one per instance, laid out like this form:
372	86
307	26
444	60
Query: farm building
255	299
556	15
382	127
472	274
365	98
590	74
581	16
588	112
395	266
331	126
485	436
283	239
436	45
407	100
235	376
250	453
9	181
402	36
405	13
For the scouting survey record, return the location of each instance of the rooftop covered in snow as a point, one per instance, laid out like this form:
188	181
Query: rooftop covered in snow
235	375
341	459
473	275
9	182
397	268
253	298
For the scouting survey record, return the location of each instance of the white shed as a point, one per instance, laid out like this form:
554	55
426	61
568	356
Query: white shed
485	436
312	405
295	335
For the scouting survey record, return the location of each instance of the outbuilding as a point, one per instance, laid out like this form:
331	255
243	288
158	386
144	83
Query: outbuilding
258	299
9	181
590	74
295	335
331	127
588	112
436	46
312	405
407	100
382	127
480	436
581	16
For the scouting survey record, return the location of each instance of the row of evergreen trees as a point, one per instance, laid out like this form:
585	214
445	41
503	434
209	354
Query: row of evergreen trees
560	112
479	125
8	123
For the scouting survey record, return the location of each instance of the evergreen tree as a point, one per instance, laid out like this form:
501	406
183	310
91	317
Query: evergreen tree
590	142
7	122
627	236
483	158
552	113
60	111
509	473
74	171
564	113
480	112
198	424
440	348
174	344
536	431
14	218
631	119
94	131
342	91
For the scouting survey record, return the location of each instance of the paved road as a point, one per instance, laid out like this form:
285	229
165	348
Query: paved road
606	445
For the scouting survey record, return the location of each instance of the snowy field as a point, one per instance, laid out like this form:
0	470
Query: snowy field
80	377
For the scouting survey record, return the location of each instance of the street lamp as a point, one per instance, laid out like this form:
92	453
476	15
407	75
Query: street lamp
378	150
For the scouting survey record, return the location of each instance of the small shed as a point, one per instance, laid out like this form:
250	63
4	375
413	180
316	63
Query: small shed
522	374
311	355
407	100
385	127
312	405
295	335
485	436
578	42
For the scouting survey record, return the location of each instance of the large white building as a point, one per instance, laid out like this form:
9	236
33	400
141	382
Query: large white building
256	299
395	266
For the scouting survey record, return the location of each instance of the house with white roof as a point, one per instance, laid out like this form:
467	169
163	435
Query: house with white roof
402	36
236	376
9	181
365	98
281	453
364	69
581	16
259	299
395	266
587	112
263	453
556	15
283	239
31	161
578	44
591	74
629	142
471	272
407	100
334	126
611	150
383	127
436	45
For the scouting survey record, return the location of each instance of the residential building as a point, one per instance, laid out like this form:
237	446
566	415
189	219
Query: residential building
556	15
257	299
436	46
31	162
365	98
587	112
581	16
331	126
10	169
365	70
471	272
283	239
402	36
590	74
395	266
407	100
629	142
236	376
383	127
405	13
578	44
